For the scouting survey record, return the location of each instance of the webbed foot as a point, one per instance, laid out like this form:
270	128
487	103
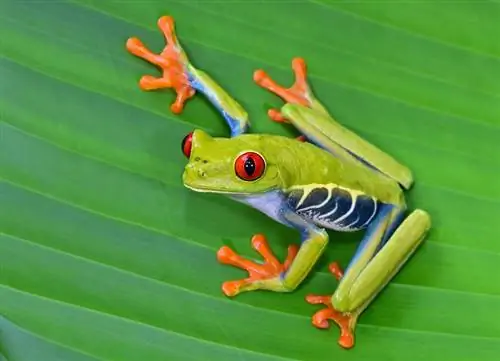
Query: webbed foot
345	321
261	276
172	60
298	93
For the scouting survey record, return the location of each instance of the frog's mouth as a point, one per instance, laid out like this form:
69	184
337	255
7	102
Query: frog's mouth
203	186
219	186
202	189
206	189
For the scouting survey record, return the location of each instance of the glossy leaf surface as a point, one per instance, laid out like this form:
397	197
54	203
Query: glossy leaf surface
105	256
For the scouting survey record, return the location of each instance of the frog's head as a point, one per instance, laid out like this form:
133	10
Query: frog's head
239	165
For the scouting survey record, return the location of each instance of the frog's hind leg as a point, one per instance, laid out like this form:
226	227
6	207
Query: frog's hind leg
304	111
388	244
299	93
180	75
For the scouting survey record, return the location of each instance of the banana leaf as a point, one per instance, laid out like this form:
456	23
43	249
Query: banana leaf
104	255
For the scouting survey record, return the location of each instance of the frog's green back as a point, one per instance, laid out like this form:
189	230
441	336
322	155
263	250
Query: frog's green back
289	163
304	164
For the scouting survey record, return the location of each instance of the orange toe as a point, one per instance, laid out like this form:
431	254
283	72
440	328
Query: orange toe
172	61
298	93
344	321
269	269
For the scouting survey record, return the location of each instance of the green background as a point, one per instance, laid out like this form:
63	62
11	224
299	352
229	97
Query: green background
105	256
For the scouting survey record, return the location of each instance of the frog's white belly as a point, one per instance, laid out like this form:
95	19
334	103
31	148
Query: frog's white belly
271	204
328	206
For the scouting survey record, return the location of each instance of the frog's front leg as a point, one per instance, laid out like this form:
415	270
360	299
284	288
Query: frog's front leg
387	245
272	275
185	79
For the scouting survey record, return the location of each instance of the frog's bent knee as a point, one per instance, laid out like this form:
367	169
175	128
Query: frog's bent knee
341	303
288	286
421	217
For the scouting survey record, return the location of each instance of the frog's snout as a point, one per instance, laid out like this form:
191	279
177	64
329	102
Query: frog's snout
192	171
196	172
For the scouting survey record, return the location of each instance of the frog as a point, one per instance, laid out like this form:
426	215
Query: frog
326	179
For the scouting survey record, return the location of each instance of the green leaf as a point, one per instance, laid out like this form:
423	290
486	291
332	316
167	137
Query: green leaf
104	255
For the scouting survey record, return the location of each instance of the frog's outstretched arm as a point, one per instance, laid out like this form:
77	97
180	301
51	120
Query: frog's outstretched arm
185	79
388	243
272	275
312	119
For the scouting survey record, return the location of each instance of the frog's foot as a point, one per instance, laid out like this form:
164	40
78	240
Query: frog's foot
261	276
298	93
173	62
345	321
336	270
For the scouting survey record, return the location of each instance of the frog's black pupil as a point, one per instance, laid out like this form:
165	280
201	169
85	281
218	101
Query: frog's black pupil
249	166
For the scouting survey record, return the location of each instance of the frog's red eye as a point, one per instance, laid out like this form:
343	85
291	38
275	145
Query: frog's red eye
249	166
187	143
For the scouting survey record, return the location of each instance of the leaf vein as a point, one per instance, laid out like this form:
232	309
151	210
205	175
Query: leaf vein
407	31
327	80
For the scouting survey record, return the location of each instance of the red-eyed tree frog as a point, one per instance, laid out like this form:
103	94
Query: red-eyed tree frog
329	179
